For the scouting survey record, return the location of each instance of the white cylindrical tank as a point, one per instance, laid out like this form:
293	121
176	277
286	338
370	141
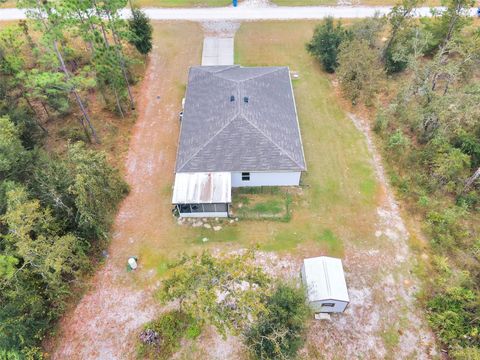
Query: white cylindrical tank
132	262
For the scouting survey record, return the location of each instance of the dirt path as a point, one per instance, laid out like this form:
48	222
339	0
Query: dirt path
101	325
383	320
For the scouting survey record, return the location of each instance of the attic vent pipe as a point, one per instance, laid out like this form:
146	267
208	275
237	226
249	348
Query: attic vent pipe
232	98
245	99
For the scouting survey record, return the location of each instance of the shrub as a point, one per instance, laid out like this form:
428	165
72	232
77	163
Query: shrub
279	333
472	353
359	71
445	227
325	43
451	168
452	315
398	141
169	329
369	29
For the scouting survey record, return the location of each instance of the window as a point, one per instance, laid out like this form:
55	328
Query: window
185	208
245	176
328	304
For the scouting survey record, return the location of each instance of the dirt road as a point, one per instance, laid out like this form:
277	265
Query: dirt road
101	325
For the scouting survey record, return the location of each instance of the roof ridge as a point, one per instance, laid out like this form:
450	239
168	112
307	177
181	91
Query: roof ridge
273	142
224	68
207	142
272	68
327	279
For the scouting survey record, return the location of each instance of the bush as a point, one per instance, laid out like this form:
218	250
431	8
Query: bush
398	141
359	71
394	62
445	227
279	333
453	316
451	168
325	43
472	353
369	29
169	329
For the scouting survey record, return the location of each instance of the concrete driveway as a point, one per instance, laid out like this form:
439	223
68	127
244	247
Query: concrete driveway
217	51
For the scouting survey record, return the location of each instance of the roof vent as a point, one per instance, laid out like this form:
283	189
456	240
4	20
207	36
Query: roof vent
245	99
232	98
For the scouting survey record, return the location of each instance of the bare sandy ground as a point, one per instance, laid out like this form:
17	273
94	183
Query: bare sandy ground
103	324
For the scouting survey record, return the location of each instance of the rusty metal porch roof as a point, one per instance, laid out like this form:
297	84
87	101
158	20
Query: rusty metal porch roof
202	188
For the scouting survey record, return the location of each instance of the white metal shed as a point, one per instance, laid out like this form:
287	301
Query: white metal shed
325	284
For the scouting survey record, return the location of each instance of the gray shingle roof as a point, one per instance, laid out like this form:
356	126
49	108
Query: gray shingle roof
218	134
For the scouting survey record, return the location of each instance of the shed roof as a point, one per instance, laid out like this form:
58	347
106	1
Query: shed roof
223	131
325	279
202	188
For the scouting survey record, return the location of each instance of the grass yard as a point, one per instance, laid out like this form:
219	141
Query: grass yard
264	203
158	3
339	189
213	3
8	4
181	3
338	199
353	2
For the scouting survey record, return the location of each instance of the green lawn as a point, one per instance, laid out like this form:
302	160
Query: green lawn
339	189
353	2
338	198
159	3
336	205
267	203
181	3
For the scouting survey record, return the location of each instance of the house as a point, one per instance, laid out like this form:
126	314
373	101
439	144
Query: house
239	128
324	280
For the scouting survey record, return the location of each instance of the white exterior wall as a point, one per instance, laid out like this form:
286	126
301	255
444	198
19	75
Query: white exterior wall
204	214
317	307
285	178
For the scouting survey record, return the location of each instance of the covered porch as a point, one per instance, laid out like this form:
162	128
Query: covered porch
202	194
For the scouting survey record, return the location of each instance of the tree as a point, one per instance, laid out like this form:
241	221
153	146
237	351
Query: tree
444	25
227	292
141	31
369	29
45	262
119	29
279	332
49	17
97	189
33	238
82	190
47	88
12	154
399	19
326	42
359	70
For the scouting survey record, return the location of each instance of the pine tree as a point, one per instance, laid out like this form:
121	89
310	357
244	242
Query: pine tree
141	31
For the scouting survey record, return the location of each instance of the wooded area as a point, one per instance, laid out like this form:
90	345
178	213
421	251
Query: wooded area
57	205
421	82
